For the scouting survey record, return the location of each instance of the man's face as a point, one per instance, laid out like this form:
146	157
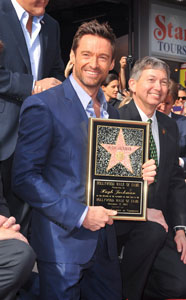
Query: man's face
150	89
92	62
34	7
181	97
166	105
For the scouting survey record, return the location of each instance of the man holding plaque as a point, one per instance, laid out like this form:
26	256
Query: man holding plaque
158	246
75	244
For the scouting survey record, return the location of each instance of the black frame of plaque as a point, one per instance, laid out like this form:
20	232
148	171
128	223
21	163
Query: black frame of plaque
121	188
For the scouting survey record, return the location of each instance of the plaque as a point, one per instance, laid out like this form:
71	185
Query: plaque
117	150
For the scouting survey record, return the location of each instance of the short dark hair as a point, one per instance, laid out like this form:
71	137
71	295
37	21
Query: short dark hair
181	88
95	28
110	77
148	62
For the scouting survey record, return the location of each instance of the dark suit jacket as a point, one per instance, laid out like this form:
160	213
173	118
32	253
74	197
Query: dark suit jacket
181	122
170	174
50	173
15	70
3	204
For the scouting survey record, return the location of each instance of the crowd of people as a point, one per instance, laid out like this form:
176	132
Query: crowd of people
44	219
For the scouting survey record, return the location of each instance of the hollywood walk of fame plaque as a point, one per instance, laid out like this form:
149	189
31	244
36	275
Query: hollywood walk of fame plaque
117	150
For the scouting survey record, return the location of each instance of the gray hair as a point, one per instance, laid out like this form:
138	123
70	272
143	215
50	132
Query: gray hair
148	62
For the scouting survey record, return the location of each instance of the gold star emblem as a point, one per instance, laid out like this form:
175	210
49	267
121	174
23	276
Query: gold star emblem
120	152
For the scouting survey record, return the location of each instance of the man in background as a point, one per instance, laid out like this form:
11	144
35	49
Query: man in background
182	98
77	254
156	248
30	63
166	108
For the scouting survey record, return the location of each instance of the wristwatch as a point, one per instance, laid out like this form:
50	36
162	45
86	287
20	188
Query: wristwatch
176	228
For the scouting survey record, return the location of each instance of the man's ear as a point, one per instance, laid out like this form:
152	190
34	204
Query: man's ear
132	85
72	56
103	88
112	65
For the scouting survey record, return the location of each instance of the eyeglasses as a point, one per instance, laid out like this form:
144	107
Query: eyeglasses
183	98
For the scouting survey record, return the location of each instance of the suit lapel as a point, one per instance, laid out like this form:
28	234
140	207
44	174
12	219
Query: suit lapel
13	23
74	101
163	145
129	112
44	46
75	107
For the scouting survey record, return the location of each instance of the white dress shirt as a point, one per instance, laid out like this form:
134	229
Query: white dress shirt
87	103
32	41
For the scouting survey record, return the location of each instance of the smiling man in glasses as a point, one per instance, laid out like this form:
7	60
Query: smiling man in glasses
182	98
181	93
166	108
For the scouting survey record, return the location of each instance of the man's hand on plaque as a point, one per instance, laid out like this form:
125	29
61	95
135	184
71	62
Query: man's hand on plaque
97	217
149	171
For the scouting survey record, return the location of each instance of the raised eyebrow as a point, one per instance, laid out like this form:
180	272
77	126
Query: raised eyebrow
151	76
85	51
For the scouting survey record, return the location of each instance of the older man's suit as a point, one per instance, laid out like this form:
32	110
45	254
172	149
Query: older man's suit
16	82
50	173
181	122
141	244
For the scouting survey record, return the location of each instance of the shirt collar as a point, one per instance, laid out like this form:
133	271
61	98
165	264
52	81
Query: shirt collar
84	97
21	11
144	116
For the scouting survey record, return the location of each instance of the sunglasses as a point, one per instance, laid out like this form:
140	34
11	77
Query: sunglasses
183	98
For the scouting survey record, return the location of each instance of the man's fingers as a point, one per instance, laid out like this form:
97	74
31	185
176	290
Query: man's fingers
149	171
164	224
97	217
16	227
110	221
157	216
9	222
3	219
57	82
111	212
150	162
45	84
183	256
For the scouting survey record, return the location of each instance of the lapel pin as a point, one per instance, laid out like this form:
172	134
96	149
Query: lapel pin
163	131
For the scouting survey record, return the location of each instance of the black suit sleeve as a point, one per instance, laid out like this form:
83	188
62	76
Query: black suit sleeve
113	112
3	205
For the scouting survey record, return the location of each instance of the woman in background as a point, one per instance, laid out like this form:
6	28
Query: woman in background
110	89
